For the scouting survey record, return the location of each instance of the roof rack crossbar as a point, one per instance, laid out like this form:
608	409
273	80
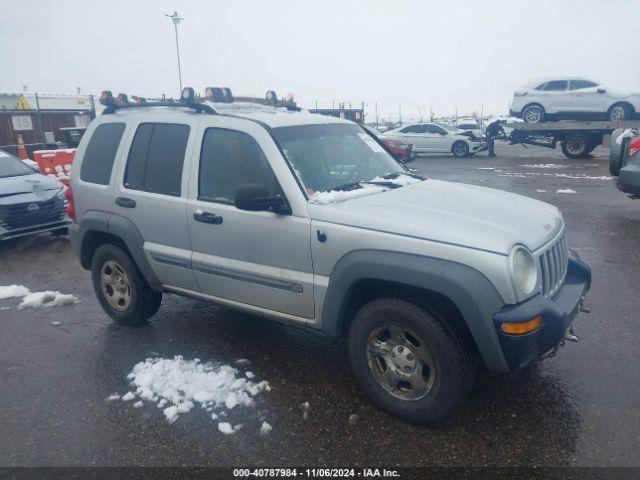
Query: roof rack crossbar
198	107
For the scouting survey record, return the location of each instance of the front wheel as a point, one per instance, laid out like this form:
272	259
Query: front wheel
460	149
408	360
620	112
121	289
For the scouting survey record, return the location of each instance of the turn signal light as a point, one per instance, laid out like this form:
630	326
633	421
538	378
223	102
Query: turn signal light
520	328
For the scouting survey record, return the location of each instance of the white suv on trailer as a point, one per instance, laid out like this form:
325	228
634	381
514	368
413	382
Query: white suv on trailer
573	98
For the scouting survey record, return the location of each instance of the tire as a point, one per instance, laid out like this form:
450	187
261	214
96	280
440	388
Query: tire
460	149
442	381
533	113
575	145
617	152
127	298
620	112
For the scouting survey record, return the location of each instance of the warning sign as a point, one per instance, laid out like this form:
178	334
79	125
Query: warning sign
22	104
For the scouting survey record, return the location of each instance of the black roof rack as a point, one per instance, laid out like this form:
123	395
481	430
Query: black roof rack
187	100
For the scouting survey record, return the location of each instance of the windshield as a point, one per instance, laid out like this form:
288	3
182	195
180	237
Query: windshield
329	157
12	167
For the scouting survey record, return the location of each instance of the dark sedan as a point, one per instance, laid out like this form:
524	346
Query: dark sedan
29	201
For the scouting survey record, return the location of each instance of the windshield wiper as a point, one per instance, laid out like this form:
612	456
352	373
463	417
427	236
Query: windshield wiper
358	185
392	176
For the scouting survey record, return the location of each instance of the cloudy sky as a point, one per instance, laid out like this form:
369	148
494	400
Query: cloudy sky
418	54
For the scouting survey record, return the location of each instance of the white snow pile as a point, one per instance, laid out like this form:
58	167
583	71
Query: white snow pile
565	190
11	291
177	385
335	196
47	299
36	299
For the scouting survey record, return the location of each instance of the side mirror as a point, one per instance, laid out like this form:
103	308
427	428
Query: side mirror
602	90
442	133
254	197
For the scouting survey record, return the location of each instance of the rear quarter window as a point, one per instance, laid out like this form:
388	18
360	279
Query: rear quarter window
100	153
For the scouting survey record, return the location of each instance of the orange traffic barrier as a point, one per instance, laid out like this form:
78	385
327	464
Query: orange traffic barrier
55	163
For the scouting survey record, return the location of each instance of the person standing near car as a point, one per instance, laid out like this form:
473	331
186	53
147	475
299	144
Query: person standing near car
494	130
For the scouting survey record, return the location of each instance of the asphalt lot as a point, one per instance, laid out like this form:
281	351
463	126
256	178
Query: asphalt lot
579	408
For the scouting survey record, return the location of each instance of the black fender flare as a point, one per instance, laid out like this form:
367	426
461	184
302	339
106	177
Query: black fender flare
469	290
120	227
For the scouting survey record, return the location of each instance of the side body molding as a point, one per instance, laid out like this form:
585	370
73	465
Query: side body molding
122	228
471	292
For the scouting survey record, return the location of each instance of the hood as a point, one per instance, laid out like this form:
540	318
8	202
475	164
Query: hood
616	92
466	215
27	184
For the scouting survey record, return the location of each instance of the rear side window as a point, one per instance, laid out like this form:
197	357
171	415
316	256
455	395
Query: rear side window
414	129
556	85
156	158
230	158
100	153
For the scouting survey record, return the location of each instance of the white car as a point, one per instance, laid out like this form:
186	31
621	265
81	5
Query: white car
573	98
437	138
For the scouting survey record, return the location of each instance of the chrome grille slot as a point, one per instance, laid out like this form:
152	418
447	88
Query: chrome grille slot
553	265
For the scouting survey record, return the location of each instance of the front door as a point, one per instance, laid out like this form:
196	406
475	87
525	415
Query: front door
258	258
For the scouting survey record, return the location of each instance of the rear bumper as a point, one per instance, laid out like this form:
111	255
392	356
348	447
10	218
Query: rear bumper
628	179
6	234
557	315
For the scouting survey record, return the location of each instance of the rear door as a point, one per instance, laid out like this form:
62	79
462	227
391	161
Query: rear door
152	193
555	96
262	259
413	134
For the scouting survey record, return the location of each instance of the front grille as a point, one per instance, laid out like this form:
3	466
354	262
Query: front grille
19	216
553	265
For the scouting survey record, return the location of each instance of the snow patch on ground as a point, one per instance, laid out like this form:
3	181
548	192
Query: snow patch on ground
565	190
177	385
544	165
265	428
12	291
47	299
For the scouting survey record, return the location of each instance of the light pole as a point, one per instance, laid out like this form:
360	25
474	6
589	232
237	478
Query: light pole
176	21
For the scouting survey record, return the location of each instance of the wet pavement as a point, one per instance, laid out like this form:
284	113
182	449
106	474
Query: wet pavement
578	408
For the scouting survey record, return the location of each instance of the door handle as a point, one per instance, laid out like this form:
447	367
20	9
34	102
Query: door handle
207	217
126	202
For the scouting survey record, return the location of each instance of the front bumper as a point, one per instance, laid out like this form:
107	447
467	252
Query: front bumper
6	234
557	315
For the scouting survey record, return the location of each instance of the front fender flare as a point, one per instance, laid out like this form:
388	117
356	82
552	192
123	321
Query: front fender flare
470	291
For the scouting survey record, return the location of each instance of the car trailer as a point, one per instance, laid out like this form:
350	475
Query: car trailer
577	138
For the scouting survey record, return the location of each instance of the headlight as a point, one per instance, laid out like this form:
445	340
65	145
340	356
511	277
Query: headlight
524	271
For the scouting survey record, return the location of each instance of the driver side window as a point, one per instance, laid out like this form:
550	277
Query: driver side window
229	158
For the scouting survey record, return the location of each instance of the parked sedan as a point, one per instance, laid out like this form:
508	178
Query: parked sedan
624	160
437	138
29	201
573	98
401	150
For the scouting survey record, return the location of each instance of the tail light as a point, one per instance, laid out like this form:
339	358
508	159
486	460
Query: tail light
71	207
634	146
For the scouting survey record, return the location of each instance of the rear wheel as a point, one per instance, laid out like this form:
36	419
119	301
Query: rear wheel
460	149
575	145
620	112
120	287
533	114
408	361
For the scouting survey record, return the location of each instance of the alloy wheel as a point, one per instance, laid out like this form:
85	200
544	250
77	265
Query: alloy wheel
115	285
401	362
